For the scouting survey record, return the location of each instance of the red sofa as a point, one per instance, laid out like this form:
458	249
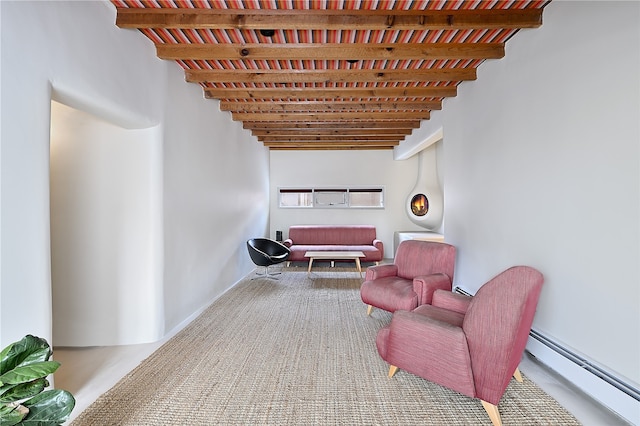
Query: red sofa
303	238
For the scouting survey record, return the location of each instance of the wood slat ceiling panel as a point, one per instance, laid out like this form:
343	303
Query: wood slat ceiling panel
323	74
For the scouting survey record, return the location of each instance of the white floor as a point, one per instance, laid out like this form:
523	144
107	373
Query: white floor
89	372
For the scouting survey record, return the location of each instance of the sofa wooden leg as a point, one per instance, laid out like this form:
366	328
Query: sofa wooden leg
494	414
369	309
392	370
517	375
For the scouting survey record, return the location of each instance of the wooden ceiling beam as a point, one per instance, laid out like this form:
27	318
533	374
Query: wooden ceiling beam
318	106
324	116
331	92
328	76
333	145
331	124
249	19
399	133
323	147
303	138
329	148
330	51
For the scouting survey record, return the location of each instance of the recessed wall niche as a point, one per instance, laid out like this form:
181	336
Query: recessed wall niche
102	218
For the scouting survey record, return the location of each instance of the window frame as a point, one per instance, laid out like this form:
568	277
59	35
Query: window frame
330	193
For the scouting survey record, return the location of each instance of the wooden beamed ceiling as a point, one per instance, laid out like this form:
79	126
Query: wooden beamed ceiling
310	74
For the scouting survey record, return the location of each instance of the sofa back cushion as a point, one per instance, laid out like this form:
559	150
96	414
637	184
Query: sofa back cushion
332	234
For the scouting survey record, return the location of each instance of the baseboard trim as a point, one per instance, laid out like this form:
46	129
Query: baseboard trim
185	322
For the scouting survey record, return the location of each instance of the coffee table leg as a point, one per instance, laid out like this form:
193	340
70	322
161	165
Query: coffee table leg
310	263
358	265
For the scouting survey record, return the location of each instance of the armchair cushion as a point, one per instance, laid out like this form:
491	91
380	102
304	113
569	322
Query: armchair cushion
415	258
390	294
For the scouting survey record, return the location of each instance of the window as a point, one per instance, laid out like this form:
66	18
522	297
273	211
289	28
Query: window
330	198
339	197
366	197
296	197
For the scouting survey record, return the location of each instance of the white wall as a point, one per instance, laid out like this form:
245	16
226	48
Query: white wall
216	197
348	168
542	168
74	49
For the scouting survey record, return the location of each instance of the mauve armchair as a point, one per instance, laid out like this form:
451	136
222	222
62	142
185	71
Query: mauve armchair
474	352
419	269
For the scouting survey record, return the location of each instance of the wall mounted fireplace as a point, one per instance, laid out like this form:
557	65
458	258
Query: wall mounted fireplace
424	204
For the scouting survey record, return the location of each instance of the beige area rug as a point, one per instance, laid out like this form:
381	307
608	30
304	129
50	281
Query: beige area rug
297	351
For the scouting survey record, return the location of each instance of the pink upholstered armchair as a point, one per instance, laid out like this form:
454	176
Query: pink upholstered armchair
474	351
419	268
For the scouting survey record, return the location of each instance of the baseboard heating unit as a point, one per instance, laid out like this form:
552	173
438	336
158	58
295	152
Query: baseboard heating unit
588	366
619	396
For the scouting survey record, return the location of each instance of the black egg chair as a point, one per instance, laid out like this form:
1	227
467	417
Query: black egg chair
266	252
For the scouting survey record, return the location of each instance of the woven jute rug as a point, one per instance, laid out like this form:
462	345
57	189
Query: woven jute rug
297	351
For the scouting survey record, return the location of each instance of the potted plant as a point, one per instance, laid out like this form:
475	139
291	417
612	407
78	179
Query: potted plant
24	367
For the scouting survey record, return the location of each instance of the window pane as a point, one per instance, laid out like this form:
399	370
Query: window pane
296	198
366	198
331	198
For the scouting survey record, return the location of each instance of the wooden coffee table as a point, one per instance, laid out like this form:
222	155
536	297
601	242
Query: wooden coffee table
335	255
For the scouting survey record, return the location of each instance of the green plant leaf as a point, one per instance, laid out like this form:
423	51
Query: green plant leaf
14	354
51	407
38	355
29	372
4	357
12	415
12	393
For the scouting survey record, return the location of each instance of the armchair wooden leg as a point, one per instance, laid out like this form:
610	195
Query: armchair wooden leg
392	370
492	411
517	375
369	309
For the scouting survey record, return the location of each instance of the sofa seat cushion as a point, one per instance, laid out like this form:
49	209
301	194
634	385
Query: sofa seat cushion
372	254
